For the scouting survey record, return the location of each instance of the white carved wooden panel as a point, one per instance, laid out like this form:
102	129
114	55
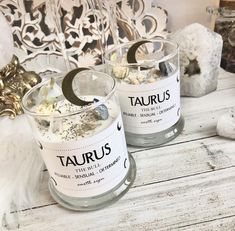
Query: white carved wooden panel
84	28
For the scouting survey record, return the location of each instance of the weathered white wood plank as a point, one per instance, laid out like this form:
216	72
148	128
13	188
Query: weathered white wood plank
169	165
163	206
223	224
196	127
213	101
204	110
185	159
226	80
172	162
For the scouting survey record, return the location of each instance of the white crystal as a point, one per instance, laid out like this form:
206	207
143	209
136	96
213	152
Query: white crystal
6	42
120	72
199	47
226	125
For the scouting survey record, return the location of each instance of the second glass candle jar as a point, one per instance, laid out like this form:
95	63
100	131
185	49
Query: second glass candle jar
148	85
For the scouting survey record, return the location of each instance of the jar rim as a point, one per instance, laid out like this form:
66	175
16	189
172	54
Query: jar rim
139	64
80	110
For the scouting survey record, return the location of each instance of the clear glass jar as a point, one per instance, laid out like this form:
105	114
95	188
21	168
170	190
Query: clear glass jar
148	84
225	26
83	147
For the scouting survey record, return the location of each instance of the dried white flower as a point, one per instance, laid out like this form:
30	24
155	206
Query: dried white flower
120	72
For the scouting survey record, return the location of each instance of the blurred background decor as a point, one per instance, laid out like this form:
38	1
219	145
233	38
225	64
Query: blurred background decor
59	35
184	12
225	26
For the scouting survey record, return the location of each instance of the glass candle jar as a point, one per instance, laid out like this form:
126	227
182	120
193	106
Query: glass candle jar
148	84
83	147
225	26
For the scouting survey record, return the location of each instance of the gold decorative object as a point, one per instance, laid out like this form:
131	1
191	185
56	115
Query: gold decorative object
14	83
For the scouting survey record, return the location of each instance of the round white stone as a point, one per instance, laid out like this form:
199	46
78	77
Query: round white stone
226	125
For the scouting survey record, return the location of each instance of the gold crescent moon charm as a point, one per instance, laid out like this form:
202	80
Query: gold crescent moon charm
67	88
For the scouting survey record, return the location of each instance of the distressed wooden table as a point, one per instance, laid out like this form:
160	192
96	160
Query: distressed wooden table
187	184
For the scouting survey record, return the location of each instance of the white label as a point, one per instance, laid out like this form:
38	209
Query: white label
90	166
150	108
